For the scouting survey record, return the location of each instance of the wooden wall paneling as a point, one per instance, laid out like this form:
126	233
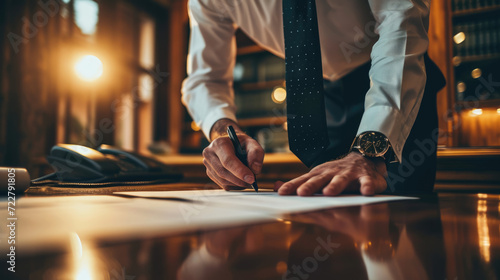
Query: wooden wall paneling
30	91
107	90
441	52
3	80
160	99
52	72
69	85
177	70
13	95
135	70
38	93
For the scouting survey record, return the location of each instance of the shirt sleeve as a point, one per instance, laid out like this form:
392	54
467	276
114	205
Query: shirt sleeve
207	92
397	71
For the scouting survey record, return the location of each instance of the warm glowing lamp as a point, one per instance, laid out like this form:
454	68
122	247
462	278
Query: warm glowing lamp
476	73
279	95
477	112
459	37
89	68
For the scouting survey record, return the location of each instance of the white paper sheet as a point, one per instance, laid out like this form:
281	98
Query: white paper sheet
48	223
268	202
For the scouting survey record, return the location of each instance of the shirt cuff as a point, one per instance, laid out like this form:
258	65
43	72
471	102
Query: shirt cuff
387	121
215	115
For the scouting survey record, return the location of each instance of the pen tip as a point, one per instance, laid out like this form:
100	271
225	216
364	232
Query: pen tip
255	187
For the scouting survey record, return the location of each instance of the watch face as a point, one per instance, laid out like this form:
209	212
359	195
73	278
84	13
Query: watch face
373	144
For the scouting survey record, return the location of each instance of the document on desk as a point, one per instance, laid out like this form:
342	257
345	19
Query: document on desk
267	201
47	223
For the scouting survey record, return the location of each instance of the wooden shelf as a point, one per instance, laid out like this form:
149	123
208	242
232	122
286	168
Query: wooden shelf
263	121
494	103
468	152
476	12
476	58
249	50
248	122
259	85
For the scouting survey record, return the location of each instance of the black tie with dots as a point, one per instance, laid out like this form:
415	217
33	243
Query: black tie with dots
305	103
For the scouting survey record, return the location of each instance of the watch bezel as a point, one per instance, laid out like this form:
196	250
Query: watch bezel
379	154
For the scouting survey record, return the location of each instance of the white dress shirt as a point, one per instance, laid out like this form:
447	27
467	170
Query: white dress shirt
392	33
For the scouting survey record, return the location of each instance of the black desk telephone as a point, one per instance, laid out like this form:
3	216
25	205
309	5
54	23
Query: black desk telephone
75	163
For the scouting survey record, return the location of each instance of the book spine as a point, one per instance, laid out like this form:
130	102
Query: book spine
487	37
496	36
481	46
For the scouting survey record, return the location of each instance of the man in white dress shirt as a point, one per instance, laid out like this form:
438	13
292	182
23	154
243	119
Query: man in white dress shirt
373	51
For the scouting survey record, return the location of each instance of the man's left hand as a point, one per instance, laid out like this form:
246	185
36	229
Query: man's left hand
353	173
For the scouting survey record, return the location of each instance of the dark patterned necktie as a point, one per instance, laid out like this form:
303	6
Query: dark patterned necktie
306	118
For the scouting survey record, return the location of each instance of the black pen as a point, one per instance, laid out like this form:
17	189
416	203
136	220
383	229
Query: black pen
240	153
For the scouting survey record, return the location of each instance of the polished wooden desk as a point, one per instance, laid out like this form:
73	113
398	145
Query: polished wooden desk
445	236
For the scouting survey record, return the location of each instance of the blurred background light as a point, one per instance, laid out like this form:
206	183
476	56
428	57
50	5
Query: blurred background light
476	112
461	87
86	16
89	68
459	38
279	95
476	73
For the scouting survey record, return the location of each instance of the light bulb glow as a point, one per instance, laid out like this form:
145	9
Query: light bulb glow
461	87
477	112
279	95
459	37
89	68
476	73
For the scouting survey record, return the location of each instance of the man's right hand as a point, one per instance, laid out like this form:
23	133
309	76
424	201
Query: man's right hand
223	167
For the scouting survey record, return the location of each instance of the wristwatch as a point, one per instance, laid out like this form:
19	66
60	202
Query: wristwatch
373	144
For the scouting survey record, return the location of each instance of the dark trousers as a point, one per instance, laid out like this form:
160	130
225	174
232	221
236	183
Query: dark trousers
344	102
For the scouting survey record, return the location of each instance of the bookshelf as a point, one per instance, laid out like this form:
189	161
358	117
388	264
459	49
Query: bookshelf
259	86
479	48
474	7
475	60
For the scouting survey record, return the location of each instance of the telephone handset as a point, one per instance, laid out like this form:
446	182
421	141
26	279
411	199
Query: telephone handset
76	163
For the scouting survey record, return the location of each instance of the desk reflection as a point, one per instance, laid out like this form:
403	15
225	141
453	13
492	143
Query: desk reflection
367	242
452	236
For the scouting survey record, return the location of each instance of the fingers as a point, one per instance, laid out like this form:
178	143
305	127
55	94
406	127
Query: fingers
278	185
255	155
226	185
370	185
337	185
366	185
225	169
351	173
291	186
313	185
222	175
224	150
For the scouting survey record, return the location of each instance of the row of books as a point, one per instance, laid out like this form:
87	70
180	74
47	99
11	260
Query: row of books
459	5
258	103
258	68
480	37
